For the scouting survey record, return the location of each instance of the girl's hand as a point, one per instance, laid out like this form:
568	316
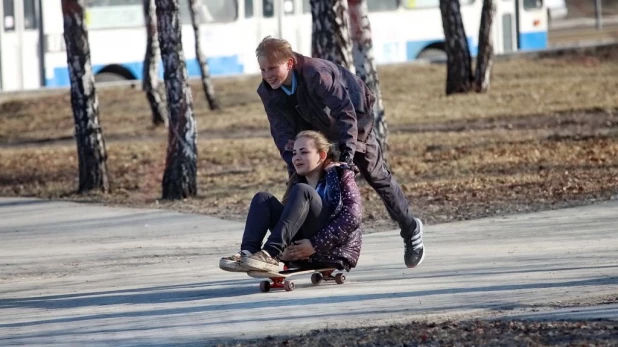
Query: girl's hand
300	250
285	256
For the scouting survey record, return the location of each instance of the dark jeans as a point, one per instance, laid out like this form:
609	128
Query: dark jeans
371	166
301	218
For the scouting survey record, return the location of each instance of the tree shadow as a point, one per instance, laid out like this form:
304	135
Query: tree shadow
237	288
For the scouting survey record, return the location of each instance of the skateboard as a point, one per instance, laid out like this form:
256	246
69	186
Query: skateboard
279	279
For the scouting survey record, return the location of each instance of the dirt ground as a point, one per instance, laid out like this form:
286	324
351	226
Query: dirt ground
584	8
544	137
457	333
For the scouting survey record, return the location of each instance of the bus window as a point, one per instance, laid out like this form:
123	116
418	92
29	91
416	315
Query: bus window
248	8
412	4
9	15
221	11
268	8
533	4
382	5
210	11
288	7
30	21
107	14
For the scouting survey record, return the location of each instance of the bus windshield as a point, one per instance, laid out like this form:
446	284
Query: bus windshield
110	14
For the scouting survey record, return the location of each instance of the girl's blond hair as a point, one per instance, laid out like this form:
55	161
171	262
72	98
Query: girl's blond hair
321	144
276	50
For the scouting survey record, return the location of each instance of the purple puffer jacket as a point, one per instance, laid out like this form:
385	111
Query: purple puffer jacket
340	240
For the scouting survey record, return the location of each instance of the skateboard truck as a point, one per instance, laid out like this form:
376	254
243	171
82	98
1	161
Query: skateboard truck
280	281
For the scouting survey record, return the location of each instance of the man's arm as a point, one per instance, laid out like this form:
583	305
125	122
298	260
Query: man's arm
281	130
328	87
283	135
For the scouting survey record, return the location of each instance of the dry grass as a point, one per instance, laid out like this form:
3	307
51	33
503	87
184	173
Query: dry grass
413	94
527	145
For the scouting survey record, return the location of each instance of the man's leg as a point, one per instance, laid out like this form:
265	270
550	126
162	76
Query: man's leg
371	166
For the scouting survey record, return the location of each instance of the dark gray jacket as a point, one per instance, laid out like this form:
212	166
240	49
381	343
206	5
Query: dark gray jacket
330	99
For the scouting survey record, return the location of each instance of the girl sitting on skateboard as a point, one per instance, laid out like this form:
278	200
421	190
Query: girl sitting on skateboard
316	225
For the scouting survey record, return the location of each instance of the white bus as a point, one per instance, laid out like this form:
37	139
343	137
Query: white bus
32	52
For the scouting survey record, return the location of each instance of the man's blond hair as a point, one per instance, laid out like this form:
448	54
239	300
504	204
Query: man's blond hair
276	50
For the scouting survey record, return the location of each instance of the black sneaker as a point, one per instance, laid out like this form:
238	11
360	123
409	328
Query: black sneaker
414	249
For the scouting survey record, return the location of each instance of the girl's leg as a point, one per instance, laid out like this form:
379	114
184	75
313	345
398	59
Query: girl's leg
264	213
303	209
302	217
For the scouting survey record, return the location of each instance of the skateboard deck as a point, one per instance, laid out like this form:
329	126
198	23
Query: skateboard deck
279	279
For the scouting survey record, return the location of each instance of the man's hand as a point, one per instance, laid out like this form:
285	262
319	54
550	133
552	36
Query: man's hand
348	160
346	157
300	250
289	146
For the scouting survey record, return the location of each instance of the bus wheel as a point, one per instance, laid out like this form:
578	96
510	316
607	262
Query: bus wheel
432	54
108	77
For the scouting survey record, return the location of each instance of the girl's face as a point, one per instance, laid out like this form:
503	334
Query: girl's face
306	158
275	73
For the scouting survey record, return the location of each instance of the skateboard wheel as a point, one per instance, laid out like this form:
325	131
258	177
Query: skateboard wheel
316	278
288	286
264	286
340	278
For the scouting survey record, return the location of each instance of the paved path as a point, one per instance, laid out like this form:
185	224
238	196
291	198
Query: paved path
82	274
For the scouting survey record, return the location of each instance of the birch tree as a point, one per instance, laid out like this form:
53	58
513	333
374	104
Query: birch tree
364	62
459	64
209	90
91	152
150	80
485	56
330	37
179	178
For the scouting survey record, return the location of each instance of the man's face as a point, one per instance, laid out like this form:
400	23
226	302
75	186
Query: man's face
276	73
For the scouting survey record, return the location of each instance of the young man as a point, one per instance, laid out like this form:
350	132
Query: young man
304	93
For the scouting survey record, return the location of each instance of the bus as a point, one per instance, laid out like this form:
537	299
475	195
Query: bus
32	48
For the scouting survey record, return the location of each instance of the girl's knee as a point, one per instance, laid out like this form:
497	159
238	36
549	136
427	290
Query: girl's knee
261	197
302	187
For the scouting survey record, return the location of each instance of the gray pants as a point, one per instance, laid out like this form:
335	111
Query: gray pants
371	166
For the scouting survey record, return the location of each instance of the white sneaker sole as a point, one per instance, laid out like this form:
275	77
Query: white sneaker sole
257	265
231	266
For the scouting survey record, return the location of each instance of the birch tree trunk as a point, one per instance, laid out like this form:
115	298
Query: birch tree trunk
209	90
150	80
91	153
459	65
179	178
485	57
364	62
330	37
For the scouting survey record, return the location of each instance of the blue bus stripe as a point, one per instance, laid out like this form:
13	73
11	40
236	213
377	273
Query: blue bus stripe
222	65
